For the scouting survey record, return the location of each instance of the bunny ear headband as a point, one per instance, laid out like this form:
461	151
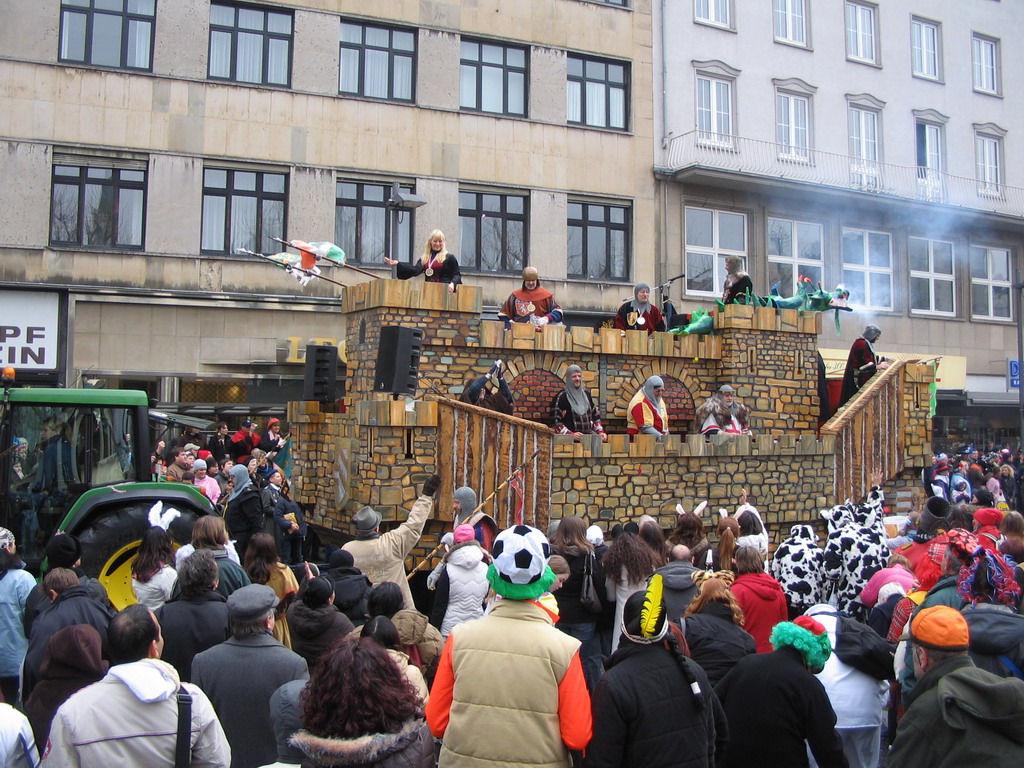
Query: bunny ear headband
157	517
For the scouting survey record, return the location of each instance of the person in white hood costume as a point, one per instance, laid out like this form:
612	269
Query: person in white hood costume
130	717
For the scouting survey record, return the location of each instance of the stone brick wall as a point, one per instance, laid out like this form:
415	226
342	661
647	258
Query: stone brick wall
534	391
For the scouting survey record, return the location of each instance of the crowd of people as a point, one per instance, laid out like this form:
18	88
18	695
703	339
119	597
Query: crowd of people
633	646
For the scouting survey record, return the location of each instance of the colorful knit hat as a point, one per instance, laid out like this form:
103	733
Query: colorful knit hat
808	636
520	569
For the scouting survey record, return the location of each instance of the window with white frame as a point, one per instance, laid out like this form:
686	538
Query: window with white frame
377	62
793	125
108	33
861	35
714	110
929	152
931	277
597	92
794	252
985	61
713	12
867	268
250	45
790	21
990	283
988	151
864	146
711	237
924	49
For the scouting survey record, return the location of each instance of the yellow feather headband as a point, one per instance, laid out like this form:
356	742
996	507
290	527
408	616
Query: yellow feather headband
651	612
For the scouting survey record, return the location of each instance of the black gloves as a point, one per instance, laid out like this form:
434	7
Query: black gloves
431	485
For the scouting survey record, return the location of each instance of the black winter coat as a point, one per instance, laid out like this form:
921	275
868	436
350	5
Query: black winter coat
313	630
190	625
776	703
570	610
351	591
244	517
646	715
72	606
716	642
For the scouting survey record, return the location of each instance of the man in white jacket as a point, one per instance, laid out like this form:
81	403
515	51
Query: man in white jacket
130	717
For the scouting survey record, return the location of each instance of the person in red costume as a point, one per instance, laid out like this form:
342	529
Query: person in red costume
862	363
531	303
759	595
639	314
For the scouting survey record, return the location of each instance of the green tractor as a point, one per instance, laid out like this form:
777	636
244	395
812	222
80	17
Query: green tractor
78	460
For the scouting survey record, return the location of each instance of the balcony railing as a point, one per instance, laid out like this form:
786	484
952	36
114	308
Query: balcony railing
700	149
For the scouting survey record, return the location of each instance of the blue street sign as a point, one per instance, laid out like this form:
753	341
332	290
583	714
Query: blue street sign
1014	374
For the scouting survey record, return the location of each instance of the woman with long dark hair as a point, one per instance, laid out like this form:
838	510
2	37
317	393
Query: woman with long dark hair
420	640
153	576
713	626
627	566
360	710
689	532
570	541
264	567
314	621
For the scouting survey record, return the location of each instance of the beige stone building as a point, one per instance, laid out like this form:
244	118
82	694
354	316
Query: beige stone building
145	141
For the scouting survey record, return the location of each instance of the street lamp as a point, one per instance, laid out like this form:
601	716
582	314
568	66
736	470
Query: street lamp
1018	287
399	201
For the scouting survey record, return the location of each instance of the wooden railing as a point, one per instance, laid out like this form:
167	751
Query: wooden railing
870	433
481	448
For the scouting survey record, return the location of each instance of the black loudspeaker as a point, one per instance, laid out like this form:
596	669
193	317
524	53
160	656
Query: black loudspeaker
398	360
321	379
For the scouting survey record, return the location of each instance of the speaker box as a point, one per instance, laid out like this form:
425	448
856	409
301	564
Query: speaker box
321	374
398	360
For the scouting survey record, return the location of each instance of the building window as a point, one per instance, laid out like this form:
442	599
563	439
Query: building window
790	21
860	33
931	277
985	58
864	148
929	154
988	152
924	49
619	3
492	231
243	209
492	78
793	125
598	241
715	12
361	222
108	33
711	236
98	205
867	268
597	93
794	251
249	45
714	110
990	284
377	62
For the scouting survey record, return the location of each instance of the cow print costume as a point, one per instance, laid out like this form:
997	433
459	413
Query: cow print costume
854	549
797	565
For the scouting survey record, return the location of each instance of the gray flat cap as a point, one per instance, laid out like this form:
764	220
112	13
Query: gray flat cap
251	601
726	389
366	520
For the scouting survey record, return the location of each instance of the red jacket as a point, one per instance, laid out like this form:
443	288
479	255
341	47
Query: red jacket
764	605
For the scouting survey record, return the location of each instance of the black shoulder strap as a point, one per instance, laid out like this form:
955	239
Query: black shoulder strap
183	743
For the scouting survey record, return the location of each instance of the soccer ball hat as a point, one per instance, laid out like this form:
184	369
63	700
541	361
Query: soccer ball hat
520	569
